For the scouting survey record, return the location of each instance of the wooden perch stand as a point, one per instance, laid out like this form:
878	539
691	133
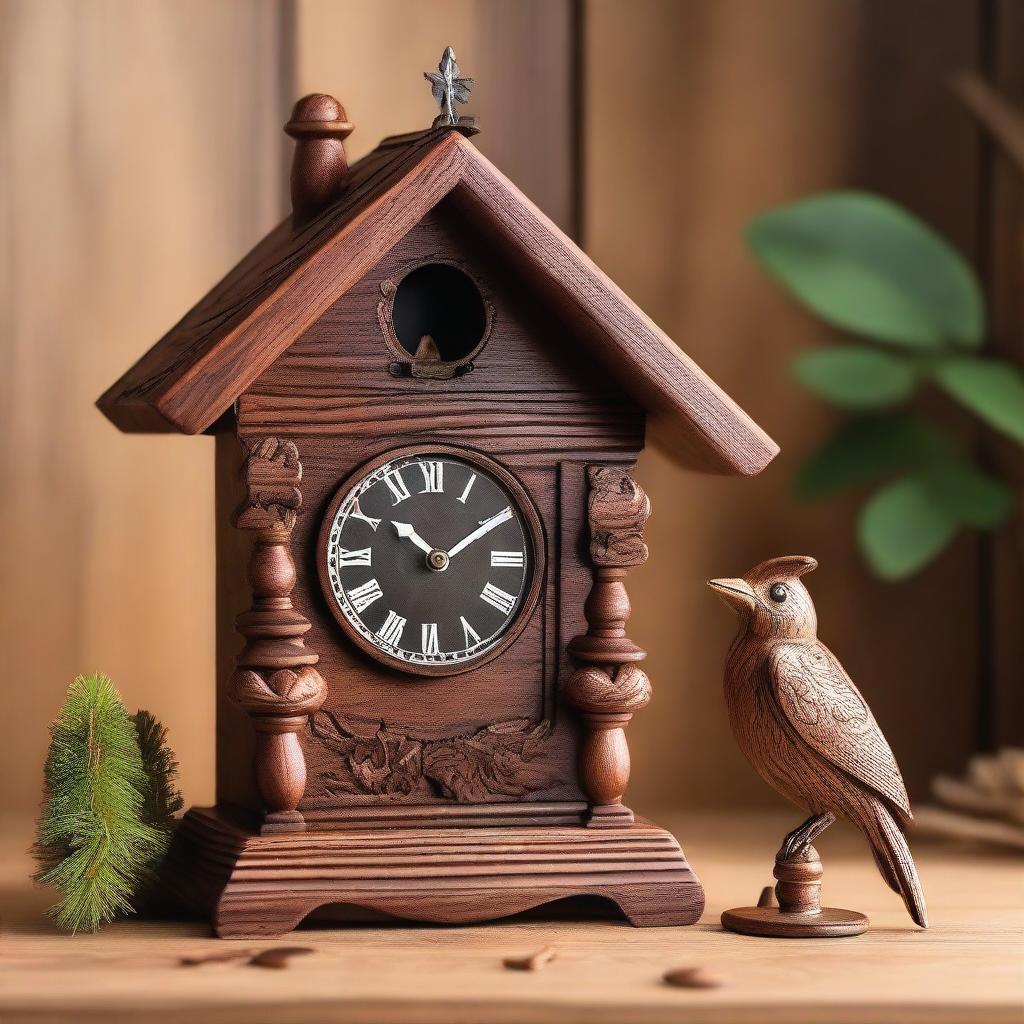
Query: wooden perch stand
794	910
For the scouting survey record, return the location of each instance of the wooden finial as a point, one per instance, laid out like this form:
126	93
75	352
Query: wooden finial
319	126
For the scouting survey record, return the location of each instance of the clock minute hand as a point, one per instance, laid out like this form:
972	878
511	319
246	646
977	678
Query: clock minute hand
406	530
485	527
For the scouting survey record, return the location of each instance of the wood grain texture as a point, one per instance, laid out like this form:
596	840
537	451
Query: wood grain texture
803	725
542	411
963	970
255	885
735	107
197	370
133	154
1001	197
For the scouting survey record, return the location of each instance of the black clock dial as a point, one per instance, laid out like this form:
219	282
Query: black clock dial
429	559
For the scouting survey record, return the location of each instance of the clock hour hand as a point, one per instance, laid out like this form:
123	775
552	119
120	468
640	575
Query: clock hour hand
485	527
406	530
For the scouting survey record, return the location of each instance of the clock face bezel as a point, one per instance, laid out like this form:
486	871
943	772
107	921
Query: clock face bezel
532	529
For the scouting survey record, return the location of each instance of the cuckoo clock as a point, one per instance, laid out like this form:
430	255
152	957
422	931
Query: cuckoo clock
427	404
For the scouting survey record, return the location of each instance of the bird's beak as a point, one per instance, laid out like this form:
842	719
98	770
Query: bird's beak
736	593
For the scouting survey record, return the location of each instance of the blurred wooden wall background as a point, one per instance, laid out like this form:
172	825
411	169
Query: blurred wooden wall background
141	154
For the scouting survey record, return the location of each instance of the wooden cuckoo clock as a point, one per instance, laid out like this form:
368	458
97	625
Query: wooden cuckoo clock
427	403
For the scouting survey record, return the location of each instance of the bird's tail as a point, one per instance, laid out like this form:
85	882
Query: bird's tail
894	859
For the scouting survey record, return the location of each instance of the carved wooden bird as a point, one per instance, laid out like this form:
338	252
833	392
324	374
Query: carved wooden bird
804	726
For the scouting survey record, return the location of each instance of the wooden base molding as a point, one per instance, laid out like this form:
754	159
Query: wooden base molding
257	884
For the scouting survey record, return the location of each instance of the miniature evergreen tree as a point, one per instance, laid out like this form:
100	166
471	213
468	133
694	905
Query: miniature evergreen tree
105	821
161	800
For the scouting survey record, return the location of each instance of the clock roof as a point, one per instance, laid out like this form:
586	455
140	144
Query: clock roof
189	378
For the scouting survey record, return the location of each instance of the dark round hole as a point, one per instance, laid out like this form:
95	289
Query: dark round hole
441	301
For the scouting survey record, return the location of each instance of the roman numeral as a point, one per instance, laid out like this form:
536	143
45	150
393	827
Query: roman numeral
396	485
355	512
471	635
469	487
428	641
433	477
498	598
364	595
391	631
507	558
360	557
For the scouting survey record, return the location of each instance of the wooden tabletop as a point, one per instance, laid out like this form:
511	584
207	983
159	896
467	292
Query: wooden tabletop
968	967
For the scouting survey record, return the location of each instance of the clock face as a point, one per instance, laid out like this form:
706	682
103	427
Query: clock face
429	560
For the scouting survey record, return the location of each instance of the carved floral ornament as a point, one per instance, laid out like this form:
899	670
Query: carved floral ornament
505	759
283	692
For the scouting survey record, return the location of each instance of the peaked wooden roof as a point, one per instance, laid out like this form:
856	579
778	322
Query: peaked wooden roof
189	378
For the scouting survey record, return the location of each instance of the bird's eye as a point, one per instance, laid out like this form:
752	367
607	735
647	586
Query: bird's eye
778	593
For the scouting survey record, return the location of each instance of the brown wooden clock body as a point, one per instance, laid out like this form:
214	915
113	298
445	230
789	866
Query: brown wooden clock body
341	780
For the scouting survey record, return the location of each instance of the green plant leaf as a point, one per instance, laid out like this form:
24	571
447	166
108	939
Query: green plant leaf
865	448
901	529
909	522
867	265
969	494
992	390
855	377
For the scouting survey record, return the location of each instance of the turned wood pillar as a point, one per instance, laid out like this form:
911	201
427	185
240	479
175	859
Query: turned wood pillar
275	681
609	686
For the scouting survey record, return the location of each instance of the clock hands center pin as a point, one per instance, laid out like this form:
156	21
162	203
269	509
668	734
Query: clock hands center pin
436	558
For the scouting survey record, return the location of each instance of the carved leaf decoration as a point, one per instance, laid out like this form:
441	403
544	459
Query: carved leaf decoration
297	687
618	510
284	692
272	473
594	689
505	759
247	688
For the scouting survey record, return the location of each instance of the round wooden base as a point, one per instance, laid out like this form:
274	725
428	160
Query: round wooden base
773	923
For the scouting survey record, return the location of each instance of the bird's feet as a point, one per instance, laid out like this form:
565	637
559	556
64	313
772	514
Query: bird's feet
800	838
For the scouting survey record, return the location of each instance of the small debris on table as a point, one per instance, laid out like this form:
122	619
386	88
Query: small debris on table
693	977
278	957
534	962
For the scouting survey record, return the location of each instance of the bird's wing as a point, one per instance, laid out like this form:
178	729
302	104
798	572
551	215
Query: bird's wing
437	86
820	702
461	88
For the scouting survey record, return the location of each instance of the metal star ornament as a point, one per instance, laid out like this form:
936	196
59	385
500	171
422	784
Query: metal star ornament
448	89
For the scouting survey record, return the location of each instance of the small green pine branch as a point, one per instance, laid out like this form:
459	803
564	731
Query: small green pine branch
162	799
92	841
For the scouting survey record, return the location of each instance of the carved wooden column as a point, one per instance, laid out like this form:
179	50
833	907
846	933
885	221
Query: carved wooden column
275	681
609	686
